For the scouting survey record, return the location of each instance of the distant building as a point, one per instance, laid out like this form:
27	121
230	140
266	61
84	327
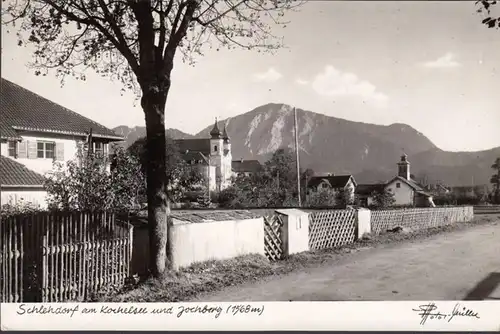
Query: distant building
406	191
334	183
364	193
35	132
470	191
245	167
211	155
437	189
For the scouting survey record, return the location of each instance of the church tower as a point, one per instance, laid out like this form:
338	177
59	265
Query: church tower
216	141
226	159
216	154
227	141
404	167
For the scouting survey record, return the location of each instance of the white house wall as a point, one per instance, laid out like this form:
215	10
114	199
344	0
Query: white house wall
403	195
37	197
43	166
3	148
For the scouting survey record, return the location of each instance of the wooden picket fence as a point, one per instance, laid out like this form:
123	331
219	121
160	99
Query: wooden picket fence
419	218
56	257
331	228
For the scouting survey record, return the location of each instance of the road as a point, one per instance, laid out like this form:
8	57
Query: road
459	265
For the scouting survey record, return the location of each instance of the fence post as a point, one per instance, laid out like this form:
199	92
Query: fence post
130	249
294	231
363	222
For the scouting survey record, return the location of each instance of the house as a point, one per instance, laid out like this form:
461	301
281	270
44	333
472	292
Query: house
19	184
35	132
364	193
406	191
245	167
212	156
333	183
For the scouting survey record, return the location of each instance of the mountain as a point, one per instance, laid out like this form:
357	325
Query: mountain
132	134
332	145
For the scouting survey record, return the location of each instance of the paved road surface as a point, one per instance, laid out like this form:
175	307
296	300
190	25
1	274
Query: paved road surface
457	265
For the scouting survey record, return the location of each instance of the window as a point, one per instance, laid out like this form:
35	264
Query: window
12	149
45	150
99	149
215	148
398	185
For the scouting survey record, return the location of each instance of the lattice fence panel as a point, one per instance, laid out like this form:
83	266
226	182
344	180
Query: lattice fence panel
418	218
333	228
273	241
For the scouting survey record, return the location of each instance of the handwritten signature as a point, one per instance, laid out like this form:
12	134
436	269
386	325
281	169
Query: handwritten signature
430	311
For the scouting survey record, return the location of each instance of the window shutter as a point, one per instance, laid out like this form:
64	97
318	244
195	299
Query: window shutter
59	151
31	149
22	152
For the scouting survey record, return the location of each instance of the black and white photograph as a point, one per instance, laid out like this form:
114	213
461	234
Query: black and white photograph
205	151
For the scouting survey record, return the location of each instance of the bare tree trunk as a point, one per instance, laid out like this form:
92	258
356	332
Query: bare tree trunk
153	103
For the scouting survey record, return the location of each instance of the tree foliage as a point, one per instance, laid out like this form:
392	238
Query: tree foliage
274	186
495	181
182	177
87	183
121	38
490	18
321	199
383	198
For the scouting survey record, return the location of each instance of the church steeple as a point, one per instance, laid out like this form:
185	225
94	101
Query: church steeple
404	167
215	133
225	136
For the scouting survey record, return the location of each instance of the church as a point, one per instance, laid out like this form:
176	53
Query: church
211	155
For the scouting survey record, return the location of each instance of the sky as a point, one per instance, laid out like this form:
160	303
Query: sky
431	65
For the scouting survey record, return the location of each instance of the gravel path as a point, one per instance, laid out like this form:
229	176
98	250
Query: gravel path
455	265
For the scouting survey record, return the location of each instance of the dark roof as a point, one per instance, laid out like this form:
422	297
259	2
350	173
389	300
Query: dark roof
412	183
335	181
245	166
225	136
368	189
193	145
25	110
215	133
12	173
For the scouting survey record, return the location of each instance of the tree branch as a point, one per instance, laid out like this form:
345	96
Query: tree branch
89	20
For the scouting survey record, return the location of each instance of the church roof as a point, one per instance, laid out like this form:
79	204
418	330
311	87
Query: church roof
193	145
225	136
215	133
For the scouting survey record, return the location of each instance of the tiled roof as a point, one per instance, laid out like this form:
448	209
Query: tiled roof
413	184
211	215
335	181
25	110
12	173
245	166
368	189
193	145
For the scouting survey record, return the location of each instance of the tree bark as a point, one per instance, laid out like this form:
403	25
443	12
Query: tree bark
153	102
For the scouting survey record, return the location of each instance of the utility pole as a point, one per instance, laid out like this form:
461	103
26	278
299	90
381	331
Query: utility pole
297	154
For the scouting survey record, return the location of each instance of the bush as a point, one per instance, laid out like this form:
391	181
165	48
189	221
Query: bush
21	207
